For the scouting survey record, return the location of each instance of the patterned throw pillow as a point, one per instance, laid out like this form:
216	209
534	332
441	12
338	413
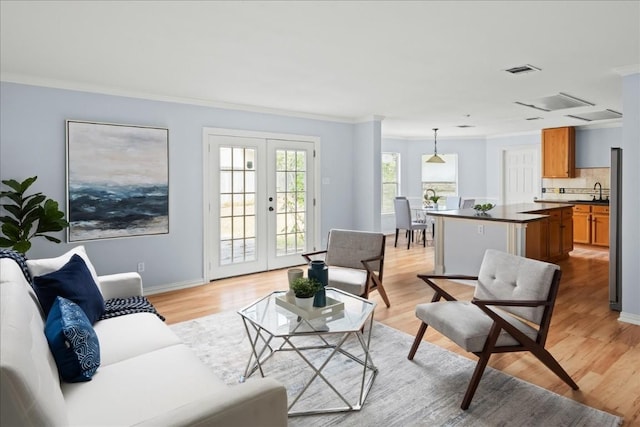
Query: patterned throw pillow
72	340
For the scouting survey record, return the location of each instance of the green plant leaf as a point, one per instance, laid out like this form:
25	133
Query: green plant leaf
13	184
5	243
28	211
22	246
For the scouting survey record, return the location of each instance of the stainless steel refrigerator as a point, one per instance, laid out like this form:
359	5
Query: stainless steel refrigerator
615	235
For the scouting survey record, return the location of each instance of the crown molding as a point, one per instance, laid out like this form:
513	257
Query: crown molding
627	70
104	90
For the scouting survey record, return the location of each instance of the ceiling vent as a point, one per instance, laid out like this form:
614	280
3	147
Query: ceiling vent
533	118
522	69
560	101
596	115
465	126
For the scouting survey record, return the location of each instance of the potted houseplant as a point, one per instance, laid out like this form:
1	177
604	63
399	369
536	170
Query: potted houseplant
435	199
28	216
304	290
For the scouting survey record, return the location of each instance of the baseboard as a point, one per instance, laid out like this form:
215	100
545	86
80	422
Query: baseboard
634	319
172	287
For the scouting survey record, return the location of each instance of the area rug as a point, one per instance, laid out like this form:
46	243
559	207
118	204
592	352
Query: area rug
424	392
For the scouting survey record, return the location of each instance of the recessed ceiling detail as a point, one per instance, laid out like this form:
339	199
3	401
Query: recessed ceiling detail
465	126
533	118
560	101
522	69
596	115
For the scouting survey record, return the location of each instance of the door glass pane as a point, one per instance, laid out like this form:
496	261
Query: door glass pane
237	205
290	197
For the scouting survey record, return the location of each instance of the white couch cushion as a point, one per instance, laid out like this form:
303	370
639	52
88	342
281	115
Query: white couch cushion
116	394
128	336
29	383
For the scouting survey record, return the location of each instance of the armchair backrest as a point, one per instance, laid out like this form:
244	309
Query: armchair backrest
510	277
348	248
403	213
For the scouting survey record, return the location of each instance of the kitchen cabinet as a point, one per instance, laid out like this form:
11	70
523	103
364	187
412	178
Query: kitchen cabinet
566	229
591	224
582	224
551	238
600	225
558	152
537	246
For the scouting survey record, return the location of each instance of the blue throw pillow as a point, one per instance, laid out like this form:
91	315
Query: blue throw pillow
73	282
72	340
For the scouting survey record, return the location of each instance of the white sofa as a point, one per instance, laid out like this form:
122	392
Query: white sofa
146	377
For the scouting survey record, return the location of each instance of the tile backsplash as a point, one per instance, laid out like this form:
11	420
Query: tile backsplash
578	188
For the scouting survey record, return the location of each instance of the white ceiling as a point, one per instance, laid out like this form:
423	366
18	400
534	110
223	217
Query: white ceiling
420	65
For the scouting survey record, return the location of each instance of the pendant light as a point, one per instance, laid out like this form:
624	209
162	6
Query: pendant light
435	158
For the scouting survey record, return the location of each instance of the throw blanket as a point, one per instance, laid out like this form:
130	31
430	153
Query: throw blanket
113	307
120	306
18	258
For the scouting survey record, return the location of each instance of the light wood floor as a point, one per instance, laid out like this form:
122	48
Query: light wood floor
600	353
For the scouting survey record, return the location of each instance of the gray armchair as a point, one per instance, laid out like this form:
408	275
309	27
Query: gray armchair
355	260
511	311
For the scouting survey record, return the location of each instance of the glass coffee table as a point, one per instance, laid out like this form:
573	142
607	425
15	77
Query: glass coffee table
327	342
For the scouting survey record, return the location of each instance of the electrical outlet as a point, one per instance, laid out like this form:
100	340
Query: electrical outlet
140	267
481	229
561	190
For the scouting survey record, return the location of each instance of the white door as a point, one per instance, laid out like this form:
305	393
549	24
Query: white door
260	200
521	174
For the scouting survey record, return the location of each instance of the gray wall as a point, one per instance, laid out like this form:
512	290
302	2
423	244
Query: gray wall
32	142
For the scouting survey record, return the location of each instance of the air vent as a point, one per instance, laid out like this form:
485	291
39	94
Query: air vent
522	69
597	115
533	118
465	126
560	101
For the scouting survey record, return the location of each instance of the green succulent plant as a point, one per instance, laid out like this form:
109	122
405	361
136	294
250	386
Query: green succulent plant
303	287
29	216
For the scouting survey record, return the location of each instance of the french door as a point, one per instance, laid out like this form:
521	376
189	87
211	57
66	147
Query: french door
260	204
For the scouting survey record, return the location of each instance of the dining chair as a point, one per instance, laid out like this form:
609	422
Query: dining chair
468	203
452	202
510	312
355	260
404	221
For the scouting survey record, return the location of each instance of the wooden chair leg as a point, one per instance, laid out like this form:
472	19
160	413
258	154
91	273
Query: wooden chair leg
475	380
417	341
383	294
409	238
396	242
550	362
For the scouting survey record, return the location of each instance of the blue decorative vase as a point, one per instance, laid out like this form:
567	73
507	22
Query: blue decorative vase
319	271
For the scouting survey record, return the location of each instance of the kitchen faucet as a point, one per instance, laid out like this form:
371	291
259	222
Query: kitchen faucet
597	184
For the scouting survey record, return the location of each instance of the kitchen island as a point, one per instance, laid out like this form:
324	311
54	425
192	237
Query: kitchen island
535	230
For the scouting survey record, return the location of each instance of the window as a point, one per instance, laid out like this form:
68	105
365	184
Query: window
390	180
441	177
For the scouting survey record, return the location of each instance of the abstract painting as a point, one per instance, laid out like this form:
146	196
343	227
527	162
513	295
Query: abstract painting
117	180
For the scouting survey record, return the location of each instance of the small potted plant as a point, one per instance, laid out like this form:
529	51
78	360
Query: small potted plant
305	289
435	199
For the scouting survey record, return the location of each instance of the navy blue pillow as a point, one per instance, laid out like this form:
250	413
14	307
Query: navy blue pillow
73	282
72	340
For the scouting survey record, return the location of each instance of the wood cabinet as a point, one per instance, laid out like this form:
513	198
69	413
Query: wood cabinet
582	224
558	152
551	238
591	224
600	225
